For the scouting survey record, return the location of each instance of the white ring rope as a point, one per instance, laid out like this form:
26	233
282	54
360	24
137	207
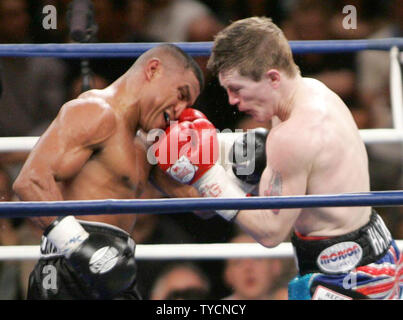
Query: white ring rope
208	251
369	136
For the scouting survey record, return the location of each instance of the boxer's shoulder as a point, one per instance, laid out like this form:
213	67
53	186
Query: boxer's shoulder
89	101
292	144
91	116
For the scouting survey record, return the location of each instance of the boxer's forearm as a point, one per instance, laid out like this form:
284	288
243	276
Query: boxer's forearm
39	189
265	226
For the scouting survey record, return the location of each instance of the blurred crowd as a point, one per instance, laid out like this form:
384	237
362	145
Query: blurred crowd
33	90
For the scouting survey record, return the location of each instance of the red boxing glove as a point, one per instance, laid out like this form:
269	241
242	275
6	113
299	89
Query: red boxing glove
189	153
190	114
189	148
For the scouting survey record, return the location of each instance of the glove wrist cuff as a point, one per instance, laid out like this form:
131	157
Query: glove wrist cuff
228	215
215	183
66	234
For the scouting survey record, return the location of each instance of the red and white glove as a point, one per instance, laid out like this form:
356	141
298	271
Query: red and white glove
189	153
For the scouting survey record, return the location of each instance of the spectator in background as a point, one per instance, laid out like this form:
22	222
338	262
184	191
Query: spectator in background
373	69
33	88
251	278
309	21
180	20
181	281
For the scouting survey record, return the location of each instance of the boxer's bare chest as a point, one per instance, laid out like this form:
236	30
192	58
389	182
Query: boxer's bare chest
117	168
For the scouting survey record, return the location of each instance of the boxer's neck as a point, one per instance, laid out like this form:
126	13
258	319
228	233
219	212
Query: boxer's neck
127	95
288	93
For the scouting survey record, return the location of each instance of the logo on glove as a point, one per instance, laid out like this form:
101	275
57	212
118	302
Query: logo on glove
211	190
103	260
182	171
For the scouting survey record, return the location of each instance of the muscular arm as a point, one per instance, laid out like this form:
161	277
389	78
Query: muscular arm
286	174
63	150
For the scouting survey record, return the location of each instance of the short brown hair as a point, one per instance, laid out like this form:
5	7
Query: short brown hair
252	46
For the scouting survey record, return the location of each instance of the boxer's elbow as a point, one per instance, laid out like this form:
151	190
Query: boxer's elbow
27	185
21	186
265	230
271	237
269	241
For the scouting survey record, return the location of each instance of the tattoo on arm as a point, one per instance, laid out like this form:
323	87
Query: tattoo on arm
275	187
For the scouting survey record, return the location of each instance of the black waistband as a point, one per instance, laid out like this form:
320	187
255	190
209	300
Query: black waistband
48	249
343	253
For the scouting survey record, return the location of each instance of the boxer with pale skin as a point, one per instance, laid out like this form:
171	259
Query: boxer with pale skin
90	151
315	148
306	152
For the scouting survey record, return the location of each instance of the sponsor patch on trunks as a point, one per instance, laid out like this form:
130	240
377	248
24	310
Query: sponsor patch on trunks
341	257
322	293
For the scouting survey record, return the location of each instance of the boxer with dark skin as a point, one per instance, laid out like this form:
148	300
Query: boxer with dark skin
90	151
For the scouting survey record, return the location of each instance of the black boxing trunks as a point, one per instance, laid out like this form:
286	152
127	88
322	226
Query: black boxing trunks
363	264
54	279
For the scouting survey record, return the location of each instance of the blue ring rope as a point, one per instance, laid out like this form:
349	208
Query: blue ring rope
125	50
158	206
